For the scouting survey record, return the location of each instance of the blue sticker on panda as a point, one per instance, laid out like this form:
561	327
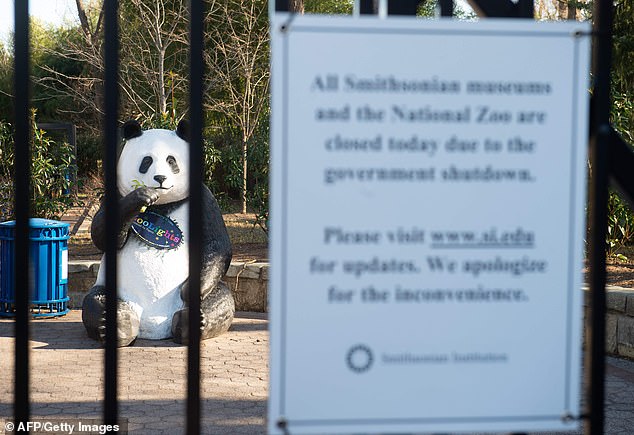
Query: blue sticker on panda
157	230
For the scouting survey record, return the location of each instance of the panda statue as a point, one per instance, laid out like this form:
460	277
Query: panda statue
153	254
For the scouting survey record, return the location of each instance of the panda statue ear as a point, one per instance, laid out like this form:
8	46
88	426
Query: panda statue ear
131	129
182	130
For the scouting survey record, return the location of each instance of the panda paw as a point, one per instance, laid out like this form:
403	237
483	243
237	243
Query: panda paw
143	197
180	326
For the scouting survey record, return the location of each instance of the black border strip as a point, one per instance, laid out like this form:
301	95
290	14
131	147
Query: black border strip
197	12
22	168
111	103
285	198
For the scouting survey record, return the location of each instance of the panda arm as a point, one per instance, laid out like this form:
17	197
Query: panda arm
129	206
216	249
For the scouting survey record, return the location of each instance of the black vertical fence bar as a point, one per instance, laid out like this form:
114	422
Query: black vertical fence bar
196	74
111	100
526	9
22	281
367	7
282	5
446	8
599	141
402	7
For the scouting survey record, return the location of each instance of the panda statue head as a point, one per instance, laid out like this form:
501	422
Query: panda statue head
155	158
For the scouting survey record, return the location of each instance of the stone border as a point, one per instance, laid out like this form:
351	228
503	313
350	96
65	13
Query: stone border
619	333
248	283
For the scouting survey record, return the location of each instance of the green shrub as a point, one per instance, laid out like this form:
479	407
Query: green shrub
620	218
89	154
259	162
620	226
51	166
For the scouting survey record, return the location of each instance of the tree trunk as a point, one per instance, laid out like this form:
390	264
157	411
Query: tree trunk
297	6
561	9
572	11
161	82
93	38
244	175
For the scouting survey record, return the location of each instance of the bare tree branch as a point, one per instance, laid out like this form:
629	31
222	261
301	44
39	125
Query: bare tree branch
238	66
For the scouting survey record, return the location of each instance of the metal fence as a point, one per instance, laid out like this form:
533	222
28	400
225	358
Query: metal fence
611	158
21	273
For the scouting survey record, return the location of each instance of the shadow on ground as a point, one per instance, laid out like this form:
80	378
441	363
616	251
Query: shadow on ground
156	416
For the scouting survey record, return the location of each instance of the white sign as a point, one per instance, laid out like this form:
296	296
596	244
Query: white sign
428	188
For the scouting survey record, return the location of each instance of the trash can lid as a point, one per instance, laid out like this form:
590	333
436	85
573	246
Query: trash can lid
38	223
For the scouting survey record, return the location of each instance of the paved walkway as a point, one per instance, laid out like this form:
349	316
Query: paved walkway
79	217
67	377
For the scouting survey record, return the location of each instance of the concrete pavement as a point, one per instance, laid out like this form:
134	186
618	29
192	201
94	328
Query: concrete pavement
67	378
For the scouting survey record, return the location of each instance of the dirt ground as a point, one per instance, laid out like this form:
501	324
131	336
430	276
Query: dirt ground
248	239
620	273
83	249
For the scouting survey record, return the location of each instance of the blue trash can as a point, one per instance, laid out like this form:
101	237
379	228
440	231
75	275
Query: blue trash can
48	252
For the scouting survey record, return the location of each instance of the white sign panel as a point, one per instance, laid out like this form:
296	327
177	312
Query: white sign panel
428	188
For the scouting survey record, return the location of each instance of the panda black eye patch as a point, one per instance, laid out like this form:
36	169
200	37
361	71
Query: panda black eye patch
173	165
145	164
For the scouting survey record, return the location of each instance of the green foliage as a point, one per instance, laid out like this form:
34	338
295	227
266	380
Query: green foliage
6	83
167	121
428	9
259	164
212	158
51	163
223	167
328	6
89	153
238	63
622	115
50	98
620	217
50	170
231	156
6	171
620	226
154	63
623	43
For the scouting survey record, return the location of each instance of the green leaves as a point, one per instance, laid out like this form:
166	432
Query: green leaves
52	164
620	227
